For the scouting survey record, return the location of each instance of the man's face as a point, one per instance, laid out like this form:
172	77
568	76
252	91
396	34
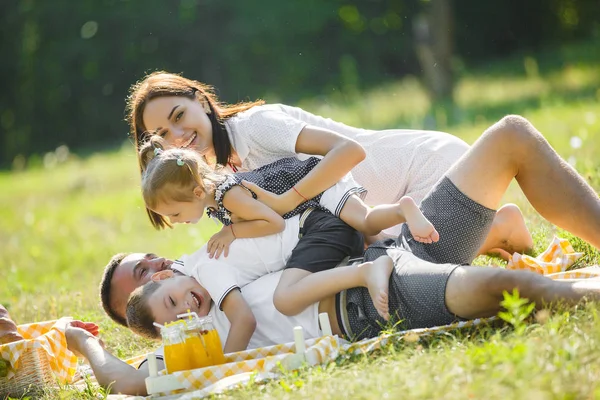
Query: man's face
178	294
135	270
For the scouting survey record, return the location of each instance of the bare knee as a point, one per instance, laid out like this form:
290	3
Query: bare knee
516	132
283	303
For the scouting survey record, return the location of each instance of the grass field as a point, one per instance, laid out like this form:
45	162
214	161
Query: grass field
60	223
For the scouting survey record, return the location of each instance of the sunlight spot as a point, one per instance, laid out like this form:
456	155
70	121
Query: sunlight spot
50	160
89	29
576	142
29	218
62	153
590	118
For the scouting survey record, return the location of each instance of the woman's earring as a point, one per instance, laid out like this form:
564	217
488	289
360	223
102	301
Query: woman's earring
206	107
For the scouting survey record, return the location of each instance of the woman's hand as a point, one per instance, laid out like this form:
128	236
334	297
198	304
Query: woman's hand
280	203
220	241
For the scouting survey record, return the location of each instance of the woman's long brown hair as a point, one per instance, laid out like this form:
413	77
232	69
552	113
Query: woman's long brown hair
163	84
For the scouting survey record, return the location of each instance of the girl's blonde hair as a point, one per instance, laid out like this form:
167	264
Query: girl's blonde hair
171	174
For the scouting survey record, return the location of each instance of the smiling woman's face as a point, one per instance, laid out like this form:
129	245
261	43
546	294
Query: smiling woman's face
177	295
181	121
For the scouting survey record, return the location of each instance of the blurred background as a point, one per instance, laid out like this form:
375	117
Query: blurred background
67	65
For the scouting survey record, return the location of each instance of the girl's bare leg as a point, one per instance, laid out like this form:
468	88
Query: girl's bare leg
372	220
513	148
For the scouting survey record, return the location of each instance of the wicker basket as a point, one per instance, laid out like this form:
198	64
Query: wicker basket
31	376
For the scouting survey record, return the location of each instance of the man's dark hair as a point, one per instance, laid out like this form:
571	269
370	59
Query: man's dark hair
105	288
140	318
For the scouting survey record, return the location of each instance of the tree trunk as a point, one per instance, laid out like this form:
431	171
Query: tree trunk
434	41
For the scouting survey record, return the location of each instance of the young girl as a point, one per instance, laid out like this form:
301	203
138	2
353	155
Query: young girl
167	188
178	186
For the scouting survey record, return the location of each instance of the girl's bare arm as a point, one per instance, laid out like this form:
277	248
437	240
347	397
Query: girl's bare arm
256	218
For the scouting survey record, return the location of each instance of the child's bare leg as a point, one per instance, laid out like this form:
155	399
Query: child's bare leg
421	229
371	221
376	276
298	288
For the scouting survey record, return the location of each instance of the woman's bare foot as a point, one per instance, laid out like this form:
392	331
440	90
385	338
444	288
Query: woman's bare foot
508	234
376	278
421	229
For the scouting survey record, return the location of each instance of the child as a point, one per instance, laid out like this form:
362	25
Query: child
178	185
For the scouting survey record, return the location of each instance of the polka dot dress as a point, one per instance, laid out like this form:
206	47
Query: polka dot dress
277	177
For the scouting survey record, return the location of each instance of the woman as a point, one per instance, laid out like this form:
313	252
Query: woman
389	164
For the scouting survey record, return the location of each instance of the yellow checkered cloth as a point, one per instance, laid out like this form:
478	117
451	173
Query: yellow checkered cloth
555	259
50	336
264	359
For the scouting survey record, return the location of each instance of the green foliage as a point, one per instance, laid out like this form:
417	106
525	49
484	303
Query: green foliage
517	311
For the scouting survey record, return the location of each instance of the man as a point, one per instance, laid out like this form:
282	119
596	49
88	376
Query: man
470	292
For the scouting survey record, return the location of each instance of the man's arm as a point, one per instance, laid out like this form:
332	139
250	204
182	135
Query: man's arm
243	322
110	372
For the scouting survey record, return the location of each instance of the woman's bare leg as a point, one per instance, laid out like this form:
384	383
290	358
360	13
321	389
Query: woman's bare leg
508	234
513	148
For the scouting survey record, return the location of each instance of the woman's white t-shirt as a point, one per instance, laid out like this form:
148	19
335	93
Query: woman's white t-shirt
399	162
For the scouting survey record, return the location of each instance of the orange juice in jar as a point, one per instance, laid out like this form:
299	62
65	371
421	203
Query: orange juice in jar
212	341
205	347
176	356
196	349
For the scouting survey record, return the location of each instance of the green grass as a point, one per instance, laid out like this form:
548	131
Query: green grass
60	225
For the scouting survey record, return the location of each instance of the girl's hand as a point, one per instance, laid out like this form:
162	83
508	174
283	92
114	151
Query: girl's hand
220	241
280	203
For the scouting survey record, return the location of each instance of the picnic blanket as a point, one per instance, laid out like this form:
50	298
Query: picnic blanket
265	360
48	336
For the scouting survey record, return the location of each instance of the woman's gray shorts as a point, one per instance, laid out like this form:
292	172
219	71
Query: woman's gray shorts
462	223
418	282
